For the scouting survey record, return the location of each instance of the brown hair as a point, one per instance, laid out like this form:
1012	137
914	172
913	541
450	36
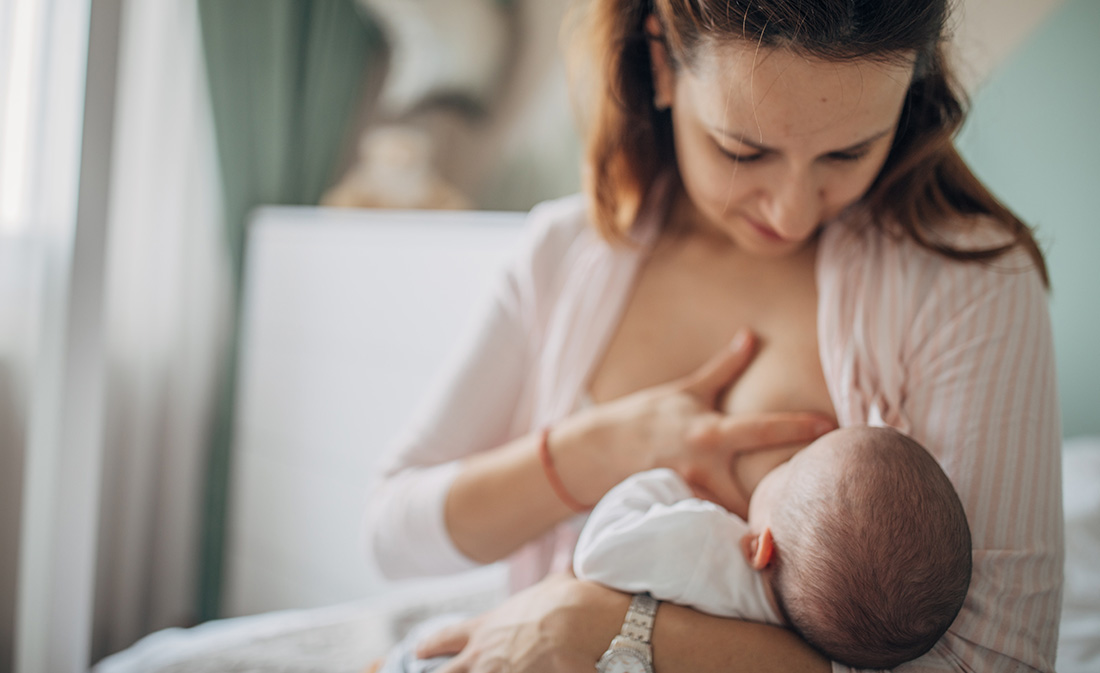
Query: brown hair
872	569
924	183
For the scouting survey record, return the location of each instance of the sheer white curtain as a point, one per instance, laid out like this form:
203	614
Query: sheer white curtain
167	307
45	552
168	290
112	317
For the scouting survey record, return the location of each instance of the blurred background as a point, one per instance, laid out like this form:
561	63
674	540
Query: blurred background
137	138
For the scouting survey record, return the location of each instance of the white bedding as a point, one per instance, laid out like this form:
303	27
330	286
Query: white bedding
1079	638
337	639
344	638
341	639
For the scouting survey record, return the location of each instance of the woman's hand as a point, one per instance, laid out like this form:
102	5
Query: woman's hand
679	425
560	625
502	499
563	625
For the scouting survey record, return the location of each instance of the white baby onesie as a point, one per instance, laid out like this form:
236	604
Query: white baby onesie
650	534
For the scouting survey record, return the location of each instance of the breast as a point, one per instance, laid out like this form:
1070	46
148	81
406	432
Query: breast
685	308
786	375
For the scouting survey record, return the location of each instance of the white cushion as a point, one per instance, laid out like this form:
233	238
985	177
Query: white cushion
1079	638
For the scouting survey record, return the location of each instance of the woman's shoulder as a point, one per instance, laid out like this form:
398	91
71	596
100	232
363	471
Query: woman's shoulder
893	295
857	251
891	311
560	222
554	232
557	222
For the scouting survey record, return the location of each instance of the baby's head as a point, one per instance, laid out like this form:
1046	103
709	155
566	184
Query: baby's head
865	546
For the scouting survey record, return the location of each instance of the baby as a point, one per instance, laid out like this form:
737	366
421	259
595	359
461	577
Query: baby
859	543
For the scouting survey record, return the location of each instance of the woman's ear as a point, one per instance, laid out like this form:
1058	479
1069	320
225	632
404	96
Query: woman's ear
664	75
759	549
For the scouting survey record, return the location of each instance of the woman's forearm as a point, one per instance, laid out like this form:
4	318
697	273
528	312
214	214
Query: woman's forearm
502	499
563	624
686	641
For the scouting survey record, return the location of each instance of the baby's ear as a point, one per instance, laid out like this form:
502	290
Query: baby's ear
758	549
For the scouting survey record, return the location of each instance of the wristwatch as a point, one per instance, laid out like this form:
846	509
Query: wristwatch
630	651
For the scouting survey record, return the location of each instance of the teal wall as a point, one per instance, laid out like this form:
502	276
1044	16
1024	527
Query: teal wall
1034	137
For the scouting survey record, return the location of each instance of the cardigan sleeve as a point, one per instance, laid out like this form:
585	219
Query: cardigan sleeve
960	356
473	408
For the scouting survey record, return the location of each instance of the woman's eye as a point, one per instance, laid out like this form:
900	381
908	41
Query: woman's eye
848	156
740	158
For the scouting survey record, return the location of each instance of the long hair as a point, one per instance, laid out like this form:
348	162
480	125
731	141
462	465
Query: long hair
924	184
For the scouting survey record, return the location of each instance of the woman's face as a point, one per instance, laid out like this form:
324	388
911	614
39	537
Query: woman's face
770	144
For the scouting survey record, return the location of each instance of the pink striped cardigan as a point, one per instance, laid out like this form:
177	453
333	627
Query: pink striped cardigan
957	354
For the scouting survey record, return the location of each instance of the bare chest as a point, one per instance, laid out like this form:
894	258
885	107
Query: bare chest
684	308
687	304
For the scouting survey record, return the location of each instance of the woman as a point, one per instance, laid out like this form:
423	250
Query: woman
781	172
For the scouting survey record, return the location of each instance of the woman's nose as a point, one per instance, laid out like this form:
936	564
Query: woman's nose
794	211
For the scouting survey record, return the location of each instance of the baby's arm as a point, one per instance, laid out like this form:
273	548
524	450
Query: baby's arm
649	534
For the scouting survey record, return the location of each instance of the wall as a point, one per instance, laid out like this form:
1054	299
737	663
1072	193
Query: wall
1032	137
986	32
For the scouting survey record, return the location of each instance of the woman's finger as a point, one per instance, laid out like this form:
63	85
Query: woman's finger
723	368
743	433
448	640
719	485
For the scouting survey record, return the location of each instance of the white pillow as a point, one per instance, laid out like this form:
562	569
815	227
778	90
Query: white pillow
1079	638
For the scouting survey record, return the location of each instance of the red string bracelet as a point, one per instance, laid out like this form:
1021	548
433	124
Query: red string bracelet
552	475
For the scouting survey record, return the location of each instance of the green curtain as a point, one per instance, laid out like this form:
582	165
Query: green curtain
285	79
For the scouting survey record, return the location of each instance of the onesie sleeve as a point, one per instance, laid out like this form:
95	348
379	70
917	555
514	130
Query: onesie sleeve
473	408
650	534
960	356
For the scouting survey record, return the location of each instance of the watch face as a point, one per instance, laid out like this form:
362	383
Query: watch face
624	661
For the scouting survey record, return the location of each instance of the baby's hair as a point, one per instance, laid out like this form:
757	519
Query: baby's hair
872	570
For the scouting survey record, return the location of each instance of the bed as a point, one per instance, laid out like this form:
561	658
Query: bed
330	295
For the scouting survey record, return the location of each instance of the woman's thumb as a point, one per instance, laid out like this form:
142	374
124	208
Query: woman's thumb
723	368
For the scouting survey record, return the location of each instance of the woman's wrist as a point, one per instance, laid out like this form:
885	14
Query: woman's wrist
581	448
590	618
553	477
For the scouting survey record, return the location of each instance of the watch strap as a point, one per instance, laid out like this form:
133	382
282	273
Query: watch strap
638	625
633	641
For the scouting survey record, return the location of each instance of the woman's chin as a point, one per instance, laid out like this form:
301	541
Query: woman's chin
766	248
